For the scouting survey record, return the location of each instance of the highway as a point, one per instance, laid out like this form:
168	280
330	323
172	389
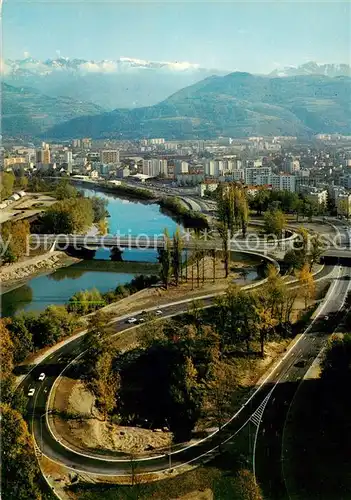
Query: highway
304	351
268	444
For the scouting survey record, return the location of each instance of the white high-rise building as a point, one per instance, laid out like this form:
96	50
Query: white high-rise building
109	156
69	161
214	168
181	167
155	167
257	176
283	182
291	166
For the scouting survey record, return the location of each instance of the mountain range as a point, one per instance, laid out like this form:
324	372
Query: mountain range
169	99
124	83
127	82
313	68
235	105
28	113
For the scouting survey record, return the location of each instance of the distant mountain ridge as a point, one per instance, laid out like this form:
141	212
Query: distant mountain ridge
313	68
125	82
28	113
235	105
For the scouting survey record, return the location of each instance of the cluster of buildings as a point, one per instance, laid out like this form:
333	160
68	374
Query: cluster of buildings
320	170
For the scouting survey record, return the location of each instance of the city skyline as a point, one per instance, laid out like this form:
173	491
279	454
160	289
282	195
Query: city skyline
210	35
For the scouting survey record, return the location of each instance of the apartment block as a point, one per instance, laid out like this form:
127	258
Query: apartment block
109	156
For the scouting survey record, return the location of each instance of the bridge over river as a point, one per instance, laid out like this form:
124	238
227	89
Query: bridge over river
265	246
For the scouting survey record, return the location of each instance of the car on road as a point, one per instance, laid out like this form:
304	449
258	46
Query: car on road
31	392
131	320
326	318
41	376
141	320
158	312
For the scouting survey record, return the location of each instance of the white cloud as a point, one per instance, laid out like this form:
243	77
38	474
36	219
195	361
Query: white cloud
99	67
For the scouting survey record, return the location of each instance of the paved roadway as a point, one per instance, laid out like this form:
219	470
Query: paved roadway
307	348
268	449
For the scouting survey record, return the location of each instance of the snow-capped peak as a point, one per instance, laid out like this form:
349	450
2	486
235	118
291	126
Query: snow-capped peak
313	68
35	66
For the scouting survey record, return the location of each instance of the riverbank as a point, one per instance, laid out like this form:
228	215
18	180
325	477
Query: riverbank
15	275
171	205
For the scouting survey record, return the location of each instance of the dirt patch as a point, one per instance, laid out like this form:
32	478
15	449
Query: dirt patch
80	425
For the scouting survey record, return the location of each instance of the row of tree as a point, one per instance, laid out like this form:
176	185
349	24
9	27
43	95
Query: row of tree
20	473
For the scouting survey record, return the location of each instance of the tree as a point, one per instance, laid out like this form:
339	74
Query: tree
274	222
68	216
225	237
266	323
248	488
316	249
105	383
260	201
65	190
164	258
177	256
99	206
21	337
295	259
306	283
219	391
20	471
50	326
103	227
86	301
22	182
6	349
243	213
7	181
17	234
298	208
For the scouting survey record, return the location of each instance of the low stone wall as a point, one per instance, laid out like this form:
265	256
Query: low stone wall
22	270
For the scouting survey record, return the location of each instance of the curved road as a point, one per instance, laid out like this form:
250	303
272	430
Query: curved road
307	346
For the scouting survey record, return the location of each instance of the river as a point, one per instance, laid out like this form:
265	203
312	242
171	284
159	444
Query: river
127	217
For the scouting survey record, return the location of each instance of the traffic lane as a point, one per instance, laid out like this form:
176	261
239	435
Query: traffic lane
268	443
270	433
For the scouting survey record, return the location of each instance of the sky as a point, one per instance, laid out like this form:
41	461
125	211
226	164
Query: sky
246	36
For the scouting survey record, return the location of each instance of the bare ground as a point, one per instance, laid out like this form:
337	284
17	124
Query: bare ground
87	430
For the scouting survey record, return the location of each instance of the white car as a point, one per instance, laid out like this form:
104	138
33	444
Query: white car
326	318
158	312
31	392
41	376
131	320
